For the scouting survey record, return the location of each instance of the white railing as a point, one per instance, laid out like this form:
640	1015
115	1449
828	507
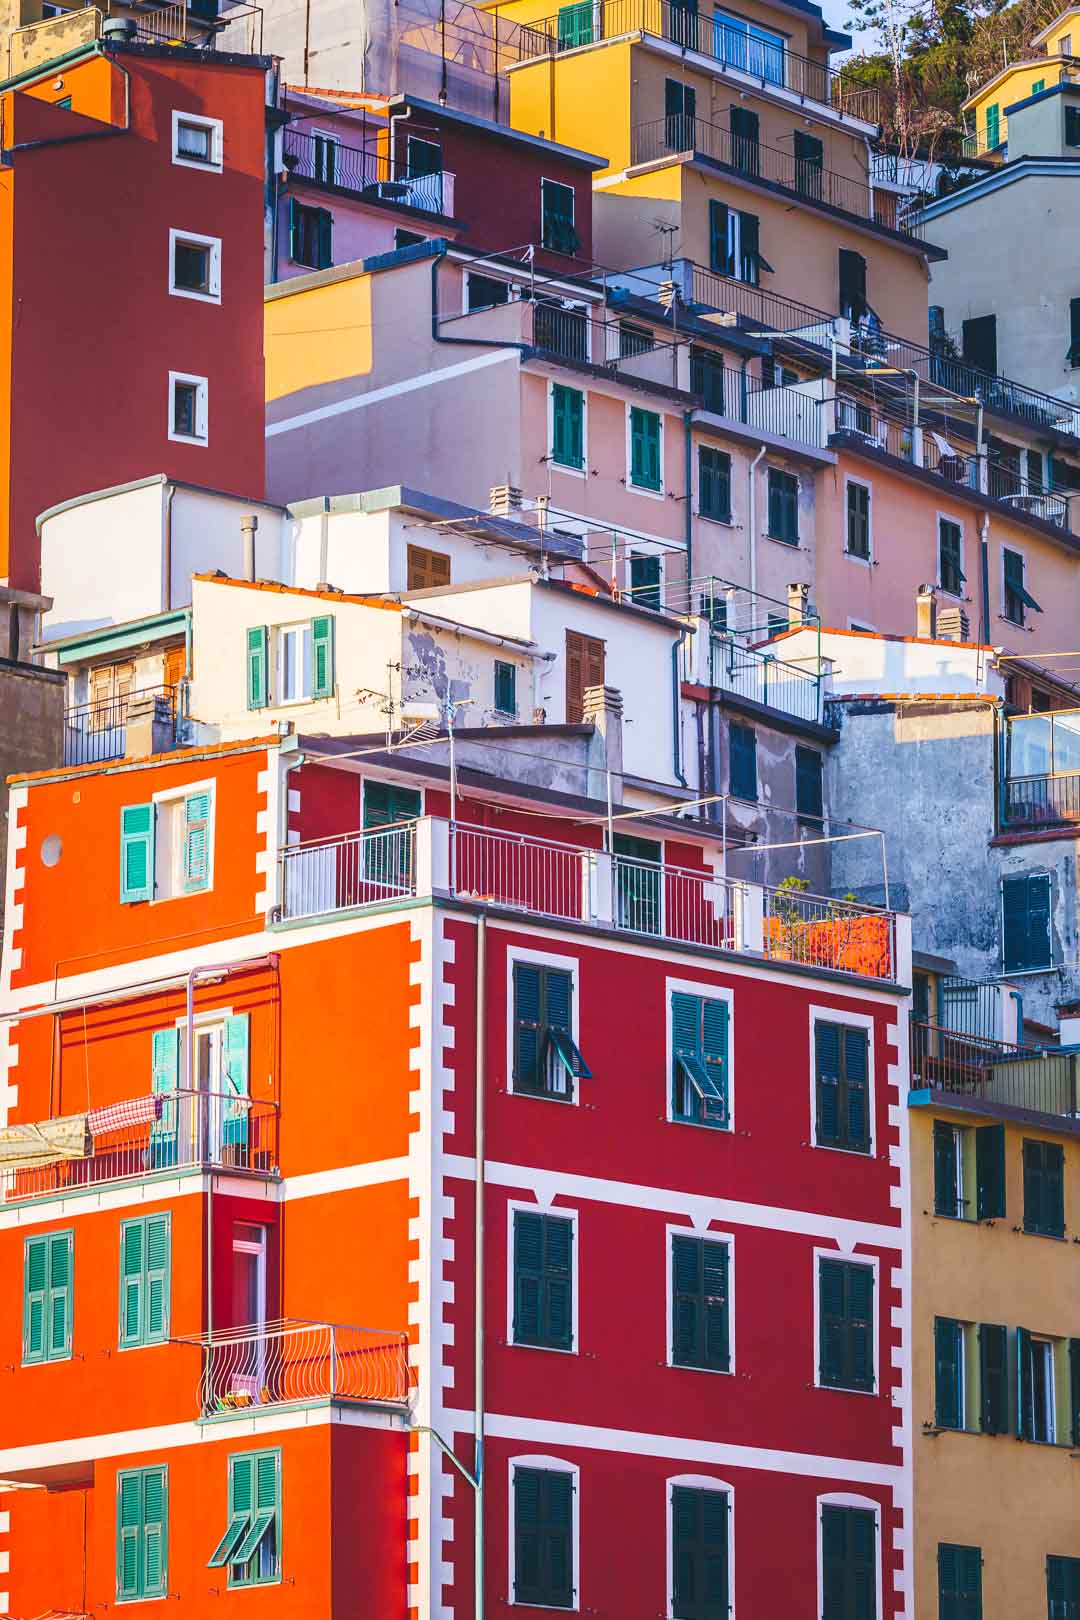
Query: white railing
289	1361
817	932
676	903
510	869
187	1130
356	869
766	679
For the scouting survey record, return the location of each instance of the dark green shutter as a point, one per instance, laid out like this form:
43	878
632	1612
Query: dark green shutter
543	1537
1073	356
856	1047
993	1378
322	656
1074	1392
719	255
842	1064
946	1200
527	1027
1025	1408
1044	1189
567	431
386	805
644	448
783	506
809	803
809	161
848	1564
846	1324
990	1172
505	687
714	484
324	228
136	853
852	269
948	1373
959	1583
699	1545
950	548
257	660
858	520
700	1329
1063	1574
543	1301
750	260
745	153
742	762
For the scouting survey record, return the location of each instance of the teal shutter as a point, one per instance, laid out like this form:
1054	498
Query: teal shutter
575	25
258	642
719	236
946	1192
35	1297
58	1325
543	1303
505	687
993	126
165	1082
136	853
145	1251
699	1545
48	1285
129	1522
546	1059
294	241
196	841
948	1385
256	1559
644	448
543	1538
1025	1413
742	762
527	1027
237	1080
324	227
157	1248
700	1329
990	1172
131	1282
959	1583
386	805
240	1507
322	656
1063	1581
714	1050
993	1379
567	426
155	1531
699	1060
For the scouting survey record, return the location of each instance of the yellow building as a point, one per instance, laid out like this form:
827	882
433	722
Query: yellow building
995	1188
1053	58
731	141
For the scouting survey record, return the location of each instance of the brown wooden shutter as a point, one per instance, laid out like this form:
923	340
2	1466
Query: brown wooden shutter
584	668
426	569
174	665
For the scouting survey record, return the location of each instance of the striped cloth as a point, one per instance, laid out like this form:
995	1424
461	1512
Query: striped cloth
118	1116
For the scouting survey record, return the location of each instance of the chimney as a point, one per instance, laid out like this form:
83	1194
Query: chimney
602	708
150	727
926	613
248	526
953	624
504	500
798	603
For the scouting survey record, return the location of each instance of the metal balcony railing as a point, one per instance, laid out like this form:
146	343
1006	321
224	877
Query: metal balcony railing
978	145
366	172
291	1362
1039	801
653	142
170	1131
763	678
1039	1079
358	869
764	60
818	932
95	732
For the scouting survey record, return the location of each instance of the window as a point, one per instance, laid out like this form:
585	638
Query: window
544	1537
1035	1364
809	798
714	484
324	157
293	662
1063	1578
700	1060
979	343
546	1058
557	231
584	669
48	1283
1015	596
304	664
745	152
735	244
1044	1188
967	1160
251	1545
543	1281
166	847
638	871
422	157
645	580
746	46
567	426
783	506
993	1378
1025	923
387	805
505	688
195	266
951	576
645	472
196	142
142	1533
1072	126
483	292
311	235
707	379
809	164
993	126
680	116
852	276
1037	86
425	570
1065	45
700	1310
188	408
848	1563
742	762
950	1373
699	1553
1073	356
842	1080
145	1249
136	853
858	521
959	1571
406	239
575	25
846	1325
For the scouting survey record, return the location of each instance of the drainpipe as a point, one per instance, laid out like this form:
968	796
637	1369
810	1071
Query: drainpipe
478	1267
395	119
676	649
752	520
170	491
470	343
984	556
688	525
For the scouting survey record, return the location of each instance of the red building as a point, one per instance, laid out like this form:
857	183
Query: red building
131	247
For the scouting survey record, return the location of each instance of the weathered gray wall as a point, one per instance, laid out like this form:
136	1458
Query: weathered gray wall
31	731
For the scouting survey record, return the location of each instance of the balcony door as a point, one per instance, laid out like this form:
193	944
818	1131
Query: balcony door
248	1351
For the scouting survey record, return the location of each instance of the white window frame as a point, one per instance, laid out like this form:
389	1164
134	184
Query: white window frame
872	1263
952	517
329	138
530	1206
1022	554
560	466
853	557
217	143
201	436
714	992
639	489
837	1015
728	1240
698	1482
485	274
850	1499
195	239
282	633
1049	1346
174	855
564	964
557	1465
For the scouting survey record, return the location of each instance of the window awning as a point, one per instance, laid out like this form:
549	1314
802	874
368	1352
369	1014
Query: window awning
562	1044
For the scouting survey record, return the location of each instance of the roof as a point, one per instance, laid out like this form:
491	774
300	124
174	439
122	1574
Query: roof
112	47
388	605
487	126
485	525
113	637
175	756
878	635
1002	74
1005	174
653	616
1044	33
145	483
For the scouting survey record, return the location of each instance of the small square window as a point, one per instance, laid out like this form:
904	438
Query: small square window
196	141
195	266
188	420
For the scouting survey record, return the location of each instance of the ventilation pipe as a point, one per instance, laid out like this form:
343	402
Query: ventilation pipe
248	527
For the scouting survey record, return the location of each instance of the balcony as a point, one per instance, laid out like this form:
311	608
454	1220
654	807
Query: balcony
761	677
97	732
700	907
764	63
978	146
366	173
686	138
1042	770
295	1363
165	1133
993	1076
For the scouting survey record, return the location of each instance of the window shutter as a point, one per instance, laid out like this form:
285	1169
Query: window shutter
1024	1397
155	1494
860	1302
776	505
60	1295
848	1564
827	1061
294	231
527	1571
35	1290
1039	952
990	1172
1043	1188
131	1282
505	687
157	1250
959	1583
856	1076
750	260
136	853
558	1242
1073	356
852	284
831	1311
686	1300
858	520
945	1199
742	765
719	233
644	448
993	1379
196	841
257	658
324	225
528	1268
129	1521
948	1341
165	1081
558	995
1074	1393
241	1485
322	656
575	678
526	1025
568	421
809	802
714	1045
267	1481
714	1270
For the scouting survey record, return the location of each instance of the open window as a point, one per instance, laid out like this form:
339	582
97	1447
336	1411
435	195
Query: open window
547	1060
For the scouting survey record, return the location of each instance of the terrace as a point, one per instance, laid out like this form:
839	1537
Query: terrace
1041	778
96	732
973	1072
292	1362
366	172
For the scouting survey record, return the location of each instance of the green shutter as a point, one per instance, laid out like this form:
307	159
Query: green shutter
644	449
714	484
1044	1170
35	1297
567	426
505	687
322	656
141	1533
959	1583
575	25
196	841
258	639
294	239
58	1315
856	1047
827	1061
993	126
700	1329
858	520
1063	1579
237	1081
132	1235
809	801
990	1172
386	805
165	1082
993	1378
699	1547
324	227
527	1027
846	1324
145	1253
719	230
543	1303
1074	1392
946	1201
156	1288
47	1297
543	1538
948	1376
783	506
129	1521
136	853
742	762
848	1564
750	259
1024	1393
241	1502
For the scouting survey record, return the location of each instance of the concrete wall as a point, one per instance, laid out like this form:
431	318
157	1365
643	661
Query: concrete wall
31	731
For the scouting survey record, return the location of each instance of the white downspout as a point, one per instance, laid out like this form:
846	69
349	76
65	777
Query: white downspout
478	1268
